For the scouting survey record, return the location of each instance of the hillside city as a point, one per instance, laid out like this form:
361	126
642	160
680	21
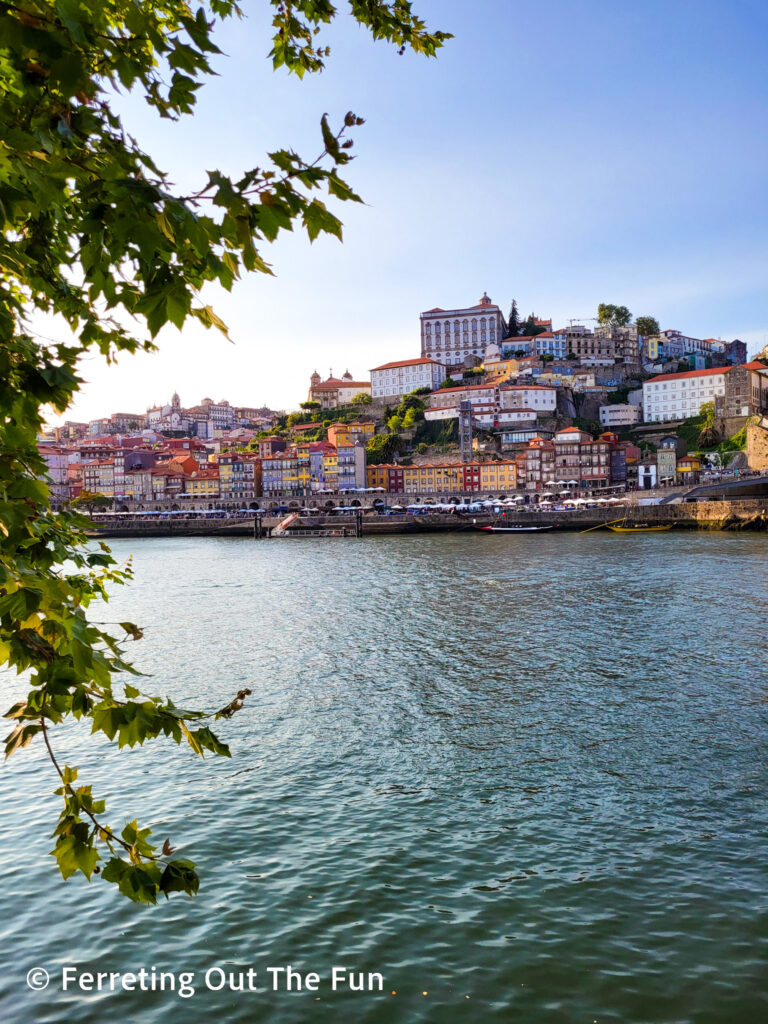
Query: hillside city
489	405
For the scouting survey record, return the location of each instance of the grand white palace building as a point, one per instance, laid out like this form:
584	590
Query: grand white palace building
450	335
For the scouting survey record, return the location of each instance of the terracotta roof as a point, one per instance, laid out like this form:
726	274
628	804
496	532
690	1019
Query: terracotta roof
403	362
689	373
756	365
465	387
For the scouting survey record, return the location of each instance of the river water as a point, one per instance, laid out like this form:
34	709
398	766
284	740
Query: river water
521	778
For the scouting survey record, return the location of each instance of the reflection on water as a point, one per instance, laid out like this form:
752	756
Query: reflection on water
525	770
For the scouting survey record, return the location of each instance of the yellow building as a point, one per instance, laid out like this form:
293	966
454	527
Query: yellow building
349	433
440	478
498	476
204	484
501	369
378	476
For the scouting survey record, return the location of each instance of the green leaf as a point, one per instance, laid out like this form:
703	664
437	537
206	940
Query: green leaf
75	852
318	218
179	876
138	883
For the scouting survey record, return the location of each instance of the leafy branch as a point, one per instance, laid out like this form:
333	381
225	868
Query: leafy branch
93	233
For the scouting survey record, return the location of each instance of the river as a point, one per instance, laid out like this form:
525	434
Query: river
522	778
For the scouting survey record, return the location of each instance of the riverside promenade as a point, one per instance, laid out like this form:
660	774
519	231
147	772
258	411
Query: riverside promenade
751	514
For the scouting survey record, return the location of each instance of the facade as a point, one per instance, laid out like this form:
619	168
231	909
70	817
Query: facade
451	335
203	485
57	463
350	459
549	344
619	415
350	433
528	396
315	467
666	458
746	391
393	380
539	464
271	445
239	478
676	396
688	469
336	391
99	477
481	394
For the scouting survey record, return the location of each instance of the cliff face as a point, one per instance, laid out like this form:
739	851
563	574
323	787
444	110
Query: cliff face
757	446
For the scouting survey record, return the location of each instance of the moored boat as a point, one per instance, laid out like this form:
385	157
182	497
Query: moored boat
514	529
640	528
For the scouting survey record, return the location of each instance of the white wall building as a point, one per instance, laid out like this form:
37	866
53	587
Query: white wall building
675	396
392	380
619	415
485	415
528	396
450	335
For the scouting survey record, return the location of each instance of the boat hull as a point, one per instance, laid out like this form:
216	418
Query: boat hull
639	529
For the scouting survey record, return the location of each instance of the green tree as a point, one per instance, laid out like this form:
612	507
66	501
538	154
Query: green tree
395	424
309	405
530	328
613	316
91	501
95	234
648	326
514	323
363	398
409	420
381	448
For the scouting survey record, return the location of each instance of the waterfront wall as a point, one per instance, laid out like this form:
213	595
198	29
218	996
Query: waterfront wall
715	515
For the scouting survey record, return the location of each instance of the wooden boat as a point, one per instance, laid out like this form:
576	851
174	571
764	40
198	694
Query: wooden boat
513	529
639	528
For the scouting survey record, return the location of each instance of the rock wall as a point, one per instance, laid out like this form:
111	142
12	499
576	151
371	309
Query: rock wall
757	447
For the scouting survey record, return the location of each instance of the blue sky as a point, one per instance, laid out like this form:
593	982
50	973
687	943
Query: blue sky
561	152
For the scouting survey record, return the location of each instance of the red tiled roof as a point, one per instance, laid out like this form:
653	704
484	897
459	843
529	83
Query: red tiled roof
689	373
465	387
403	362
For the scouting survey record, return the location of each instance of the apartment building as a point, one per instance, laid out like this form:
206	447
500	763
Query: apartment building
393	380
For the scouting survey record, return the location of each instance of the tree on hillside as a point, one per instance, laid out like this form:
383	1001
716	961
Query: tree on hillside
96	236
613	316
309	405
648	326
363	398
513	321
530	328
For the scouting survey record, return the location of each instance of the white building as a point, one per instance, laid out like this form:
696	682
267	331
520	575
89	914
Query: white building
619	415
528	396
676	396
485	415
393	380
336	391
450	335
